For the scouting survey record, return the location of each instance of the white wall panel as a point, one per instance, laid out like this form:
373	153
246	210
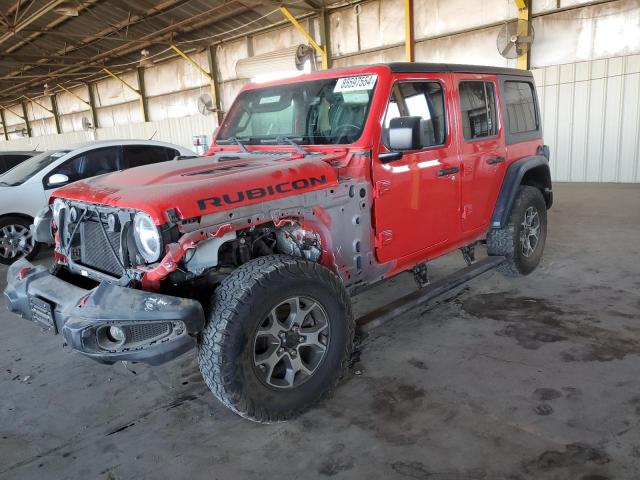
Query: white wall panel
175	75
344	31
381	56
382	23
174	130
228	54
174	105
477	47
597	31
67	103
439	17
278	39
123	114
113	92
591	119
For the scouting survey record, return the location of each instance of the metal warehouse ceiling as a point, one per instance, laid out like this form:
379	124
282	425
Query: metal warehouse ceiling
62	41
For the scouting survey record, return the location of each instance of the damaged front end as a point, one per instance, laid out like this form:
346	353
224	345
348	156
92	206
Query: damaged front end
109	322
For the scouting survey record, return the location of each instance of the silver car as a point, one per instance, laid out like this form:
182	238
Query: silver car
25	189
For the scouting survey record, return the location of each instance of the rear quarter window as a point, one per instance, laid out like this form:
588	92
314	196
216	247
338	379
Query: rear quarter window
520	105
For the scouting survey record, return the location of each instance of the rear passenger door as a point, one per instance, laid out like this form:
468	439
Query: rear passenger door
482	149
139	155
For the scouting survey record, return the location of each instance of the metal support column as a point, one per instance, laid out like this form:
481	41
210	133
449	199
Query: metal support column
409	35
215	90
144	105
56	115
4	125
26	118
524	19
143	110
321	50
92	106
325	34
210	75
89	103
53	111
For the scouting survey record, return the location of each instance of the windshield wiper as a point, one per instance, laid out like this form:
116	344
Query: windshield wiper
5	184
298	148
236	140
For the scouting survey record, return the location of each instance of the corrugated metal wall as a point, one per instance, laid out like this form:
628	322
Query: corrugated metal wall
591	119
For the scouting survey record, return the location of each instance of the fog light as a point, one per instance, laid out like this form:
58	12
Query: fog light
110	337
116	335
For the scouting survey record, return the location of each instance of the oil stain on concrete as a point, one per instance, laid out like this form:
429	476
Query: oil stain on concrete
534	322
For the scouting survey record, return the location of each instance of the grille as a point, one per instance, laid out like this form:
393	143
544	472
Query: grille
95	251
145	332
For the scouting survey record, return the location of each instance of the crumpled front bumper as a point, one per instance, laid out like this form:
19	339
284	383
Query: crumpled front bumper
157	327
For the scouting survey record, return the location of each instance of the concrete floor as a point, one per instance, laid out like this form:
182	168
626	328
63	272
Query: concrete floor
532	378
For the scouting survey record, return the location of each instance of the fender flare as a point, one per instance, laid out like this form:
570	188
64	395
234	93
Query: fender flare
512	181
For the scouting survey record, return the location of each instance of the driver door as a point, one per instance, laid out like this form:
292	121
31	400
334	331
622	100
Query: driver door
417	195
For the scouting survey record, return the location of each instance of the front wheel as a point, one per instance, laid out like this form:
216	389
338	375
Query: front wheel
279	337
522	240
16	240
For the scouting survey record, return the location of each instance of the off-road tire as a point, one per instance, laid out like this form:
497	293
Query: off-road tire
506	241
239	305
6	221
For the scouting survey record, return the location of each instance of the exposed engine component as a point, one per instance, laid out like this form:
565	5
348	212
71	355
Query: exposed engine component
236	248
206	254
298	242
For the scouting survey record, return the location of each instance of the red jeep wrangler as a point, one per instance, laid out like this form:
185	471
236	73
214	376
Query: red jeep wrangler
314	188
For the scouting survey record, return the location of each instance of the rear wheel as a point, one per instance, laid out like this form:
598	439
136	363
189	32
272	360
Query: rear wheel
279	337
16	240
522	240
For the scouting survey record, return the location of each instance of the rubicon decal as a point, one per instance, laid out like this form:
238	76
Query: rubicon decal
261	192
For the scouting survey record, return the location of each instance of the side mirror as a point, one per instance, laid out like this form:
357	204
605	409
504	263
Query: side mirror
405	133
57	179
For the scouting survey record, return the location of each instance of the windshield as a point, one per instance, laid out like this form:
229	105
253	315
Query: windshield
318	112
27	169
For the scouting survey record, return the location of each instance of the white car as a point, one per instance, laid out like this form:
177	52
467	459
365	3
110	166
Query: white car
25	189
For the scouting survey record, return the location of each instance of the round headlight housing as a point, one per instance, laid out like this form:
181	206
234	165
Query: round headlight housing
147	237
56	210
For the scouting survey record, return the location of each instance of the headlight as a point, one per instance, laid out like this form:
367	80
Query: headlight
147	237
56	209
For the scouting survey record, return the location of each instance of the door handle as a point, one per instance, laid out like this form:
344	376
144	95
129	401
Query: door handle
448	171
494	160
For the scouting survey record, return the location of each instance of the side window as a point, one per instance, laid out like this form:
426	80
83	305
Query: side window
13	160
478	105
521	110
418	99
138	155
172	153
90	164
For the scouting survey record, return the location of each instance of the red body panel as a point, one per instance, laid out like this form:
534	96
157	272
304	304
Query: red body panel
417	214
413	202
188	186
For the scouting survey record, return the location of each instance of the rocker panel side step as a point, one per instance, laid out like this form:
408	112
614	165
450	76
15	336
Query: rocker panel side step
412	300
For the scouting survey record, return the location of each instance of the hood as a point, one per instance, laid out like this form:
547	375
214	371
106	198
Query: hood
205	185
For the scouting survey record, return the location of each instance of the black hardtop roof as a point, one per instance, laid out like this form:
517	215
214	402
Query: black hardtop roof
419	67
